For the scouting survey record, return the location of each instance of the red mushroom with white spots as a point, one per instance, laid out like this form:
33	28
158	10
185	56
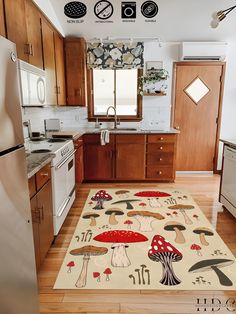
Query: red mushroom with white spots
119	240
164	252
107	272
153	197
100	197
197	248
128	223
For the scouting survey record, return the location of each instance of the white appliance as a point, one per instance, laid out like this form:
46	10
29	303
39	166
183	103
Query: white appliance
228	183
203	51
32	85
63	176
18	282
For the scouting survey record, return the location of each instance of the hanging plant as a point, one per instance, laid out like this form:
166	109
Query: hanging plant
152	78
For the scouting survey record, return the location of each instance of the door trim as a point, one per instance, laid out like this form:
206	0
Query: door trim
173	98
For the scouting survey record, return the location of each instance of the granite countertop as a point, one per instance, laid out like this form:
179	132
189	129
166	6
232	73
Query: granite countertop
78	132
230	142
37	161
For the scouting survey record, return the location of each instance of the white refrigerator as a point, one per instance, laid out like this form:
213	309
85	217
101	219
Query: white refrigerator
18	282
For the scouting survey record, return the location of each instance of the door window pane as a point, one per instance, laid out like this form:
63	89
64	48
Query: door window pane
103	89
126	92
197	90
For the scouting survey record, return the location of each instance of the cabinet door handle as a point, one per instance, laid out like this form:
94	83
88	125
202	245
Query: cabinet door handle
44	174
161	148
59	90
31	50
161	138
27	49
41	213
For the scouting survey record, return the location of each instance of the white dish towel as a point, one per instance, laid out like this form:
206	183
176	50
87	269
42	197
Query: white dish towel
104	137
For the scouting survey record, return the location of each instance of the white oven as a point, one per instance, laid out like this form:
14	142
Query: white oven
63	188
228	185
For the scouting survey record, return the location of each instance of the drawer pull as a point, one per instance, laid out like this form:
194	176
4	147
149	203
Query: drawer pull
161	148
161	138
46	174
160	159
159	172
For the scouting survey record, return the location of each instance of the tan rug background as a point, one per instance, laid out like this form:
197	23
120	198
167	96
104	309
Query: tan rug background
136	276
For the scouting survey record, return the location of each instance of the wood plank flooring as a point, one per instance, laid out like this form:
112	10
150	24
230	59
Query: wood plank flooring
204	190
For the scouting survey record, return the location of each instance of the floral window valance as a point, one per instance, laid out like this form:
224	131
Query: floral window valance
115	55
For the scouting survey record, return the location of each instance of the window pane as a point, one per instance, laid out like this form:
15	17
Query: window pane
103	88
126	92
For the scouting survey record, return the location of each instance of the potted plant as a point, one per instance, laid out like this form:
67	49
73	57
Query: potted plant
148	81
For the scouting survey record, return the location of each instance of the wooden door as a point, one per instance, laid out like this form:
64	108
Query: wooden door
49	63
75	54
197	110
60	69
46	234
79	165
98	159
2	20
130	157
35	226
33	21
16	27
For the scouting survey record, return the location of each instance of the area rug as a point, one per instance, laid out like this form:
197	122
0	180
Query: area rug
145	239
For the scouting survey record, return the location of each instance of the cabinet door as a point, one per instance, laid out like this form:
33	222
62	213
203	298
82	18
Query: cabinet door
44	203
49	62
16	27
2	20
98	159
33	22
60	69
35	226
130	157
75	52
79	165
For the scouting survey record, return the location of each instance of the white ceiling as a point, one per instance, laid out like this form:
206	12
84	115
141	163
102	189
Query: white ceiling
177	20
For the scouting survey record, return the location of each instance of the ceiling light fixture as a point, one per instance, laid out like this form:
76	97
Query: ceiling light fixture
220	15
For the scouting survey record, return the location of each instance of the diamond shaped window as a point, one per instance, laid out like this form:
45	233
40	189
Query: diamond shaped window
197	90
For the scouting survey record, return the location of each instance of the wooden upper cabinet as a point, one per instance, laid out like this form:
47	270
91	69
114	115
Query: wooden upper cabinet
60	69
16	27
130	157
49	63
33	20
75	55
2	20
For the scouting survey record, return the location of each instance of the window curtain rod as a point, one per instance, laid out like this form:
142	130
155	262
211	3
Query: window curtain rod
123	39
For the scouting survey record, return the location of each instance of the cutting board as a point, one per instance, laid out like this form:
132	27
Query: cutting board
66	134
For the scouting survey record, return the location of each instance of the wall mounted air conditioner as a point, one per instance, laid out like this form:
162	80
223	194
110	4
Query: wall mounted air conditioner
203	51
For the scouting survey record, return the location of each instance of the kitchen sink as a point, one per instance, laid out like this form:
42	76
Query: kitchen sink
119	130
38	151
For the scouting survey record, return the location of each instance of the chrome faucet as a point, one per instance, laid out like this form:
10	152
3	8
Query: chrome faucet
115	116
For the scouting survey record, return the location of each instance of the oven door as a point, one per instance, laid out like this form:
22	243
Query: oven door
228	189
63	180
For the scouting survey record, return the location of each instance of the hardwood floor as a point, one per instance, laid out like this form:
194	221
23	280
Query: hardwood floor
204	189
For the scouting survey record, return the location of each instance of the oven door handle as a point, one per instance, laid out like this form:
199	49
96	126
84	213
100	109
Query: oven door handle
64	161
66	203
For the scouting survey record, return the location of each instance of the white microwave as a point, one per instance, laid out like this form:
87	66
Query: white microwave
32	85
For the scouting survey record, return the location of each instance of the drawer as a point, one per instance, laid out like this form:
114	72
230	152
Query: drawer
161	147
160	173
131	138
42	176
159	138
32	186
160	159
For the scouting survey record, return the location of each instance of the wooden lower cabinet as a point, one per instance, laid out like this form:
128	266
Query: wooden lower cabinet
79	161
98	159
130	157
42	221
2	20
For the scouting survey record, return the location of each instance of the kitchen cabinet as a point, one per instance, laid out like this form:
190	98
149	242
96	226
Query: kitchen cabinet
130	157
42	214
98	159
16	27
75	57
160	156
23	25
60	69
49	63
2	20
79	161
34	33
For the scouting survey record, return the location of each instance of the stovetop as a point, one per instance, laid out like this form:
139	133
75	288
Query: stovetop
61	148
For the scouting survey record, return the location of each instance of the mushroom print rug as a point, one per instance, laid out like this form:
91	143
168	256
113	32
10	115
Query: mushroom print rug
145	239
